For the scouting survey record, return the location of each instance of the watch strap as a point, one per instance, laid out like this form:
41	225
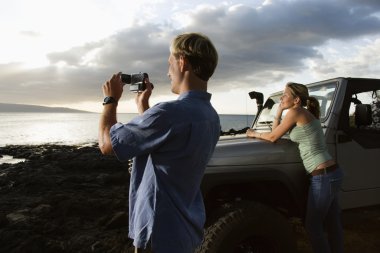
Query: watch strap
109	100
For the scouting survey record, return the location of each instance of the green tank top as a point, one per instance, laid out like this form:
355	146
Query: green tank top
311	143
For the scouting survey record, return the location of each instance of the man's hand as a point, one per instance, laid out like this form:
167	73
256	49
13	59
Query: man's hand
142	98
113	87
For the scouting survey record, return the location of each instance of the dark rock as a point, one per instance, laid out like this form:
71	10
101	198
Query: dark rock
234	132
119	220
41	209
63	199
18	216
3	220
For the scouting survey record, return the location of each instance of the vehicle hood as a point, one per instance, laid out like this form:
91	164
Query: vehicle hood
241	150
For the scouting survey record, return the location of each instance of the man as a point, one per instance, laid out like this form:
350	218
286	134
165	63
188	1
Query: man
171	144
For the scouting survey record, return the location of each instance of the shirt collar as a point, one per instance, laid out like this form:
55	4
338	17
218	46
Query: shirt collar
195	94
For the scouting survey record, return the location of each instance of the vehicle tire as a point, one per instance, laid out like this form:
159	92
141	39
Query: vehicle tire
249	228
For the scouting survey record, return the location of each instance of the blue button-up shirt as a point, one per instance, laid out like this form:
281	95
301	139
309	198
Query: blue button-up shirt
172	143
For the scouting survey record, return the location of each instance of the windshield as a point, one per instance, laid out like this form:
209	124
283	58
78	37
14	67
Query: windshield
324	93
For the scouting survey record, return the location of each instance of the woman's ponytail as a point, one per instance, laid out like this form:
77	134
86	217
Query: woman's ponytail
312	106
301	91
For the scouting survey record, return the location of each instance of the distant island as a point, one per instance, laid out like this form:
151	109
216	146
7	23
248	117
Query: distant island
35	108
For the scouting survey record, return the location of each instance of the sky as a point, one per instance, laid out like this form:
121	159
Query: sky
60	52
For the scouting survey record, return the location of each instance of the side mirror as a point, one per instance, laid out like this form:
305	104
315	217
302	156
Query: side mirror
259	99
258	96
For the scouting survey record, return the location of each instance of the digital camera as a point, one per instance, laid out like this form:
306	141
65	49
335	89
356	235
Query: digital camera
136	81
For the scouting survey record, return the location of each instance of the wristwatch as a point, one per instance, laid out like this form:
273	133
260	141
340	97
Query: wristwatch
109	100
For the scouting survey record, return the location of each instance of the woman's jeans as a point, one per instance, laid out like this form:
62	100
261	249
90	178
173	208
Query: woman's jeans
323	213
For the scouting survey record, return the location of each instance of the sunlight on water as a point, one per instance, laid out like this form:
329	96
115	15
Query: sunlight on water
72	128
10	160
58	128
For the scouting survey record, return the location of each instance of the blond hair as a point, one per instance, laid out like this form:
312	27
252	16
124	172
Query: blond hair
199	51
301	91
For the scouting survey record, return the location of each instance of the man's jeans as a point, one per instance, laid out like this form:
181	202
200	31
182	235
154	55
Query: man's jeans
323	213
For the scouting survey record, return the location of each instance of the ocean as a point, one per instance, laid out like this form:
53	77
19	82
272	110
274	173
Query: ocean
74	128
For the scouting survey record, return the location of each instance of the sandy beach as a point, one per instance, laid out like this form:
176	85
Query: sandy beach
73	199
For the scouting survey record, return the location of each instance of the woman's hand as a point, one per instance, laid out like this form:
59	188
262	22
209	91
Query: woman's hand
251	133
280	109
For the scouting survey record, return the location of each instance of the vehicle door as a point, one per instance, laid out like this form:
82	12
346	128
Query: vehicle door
358	141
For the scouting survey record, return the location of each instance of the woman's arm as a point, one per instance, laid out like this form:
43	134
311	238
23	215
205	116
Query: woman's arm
281	128
277	118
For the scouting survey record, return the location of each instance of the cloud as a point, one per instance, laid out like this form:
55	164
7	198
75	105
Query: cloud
31	34
257	46
364	64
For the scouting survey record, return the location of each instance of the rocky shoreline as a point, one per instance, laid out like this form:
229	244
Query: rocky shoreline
63	199
72	199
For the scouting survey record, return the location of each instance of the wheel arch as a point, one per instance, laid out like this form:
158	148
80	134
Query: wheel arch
269	187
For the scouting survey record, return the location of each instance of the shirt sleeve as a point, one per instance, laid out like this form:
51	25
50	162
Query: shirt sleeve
142	135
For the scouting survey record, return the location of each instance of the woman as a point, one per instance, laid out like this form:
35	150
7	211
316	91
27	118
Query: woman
323	210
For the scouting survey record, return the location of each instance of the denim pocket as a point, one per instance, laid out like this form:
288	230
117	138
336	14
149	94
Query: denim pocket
315	188
335	186
336	181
